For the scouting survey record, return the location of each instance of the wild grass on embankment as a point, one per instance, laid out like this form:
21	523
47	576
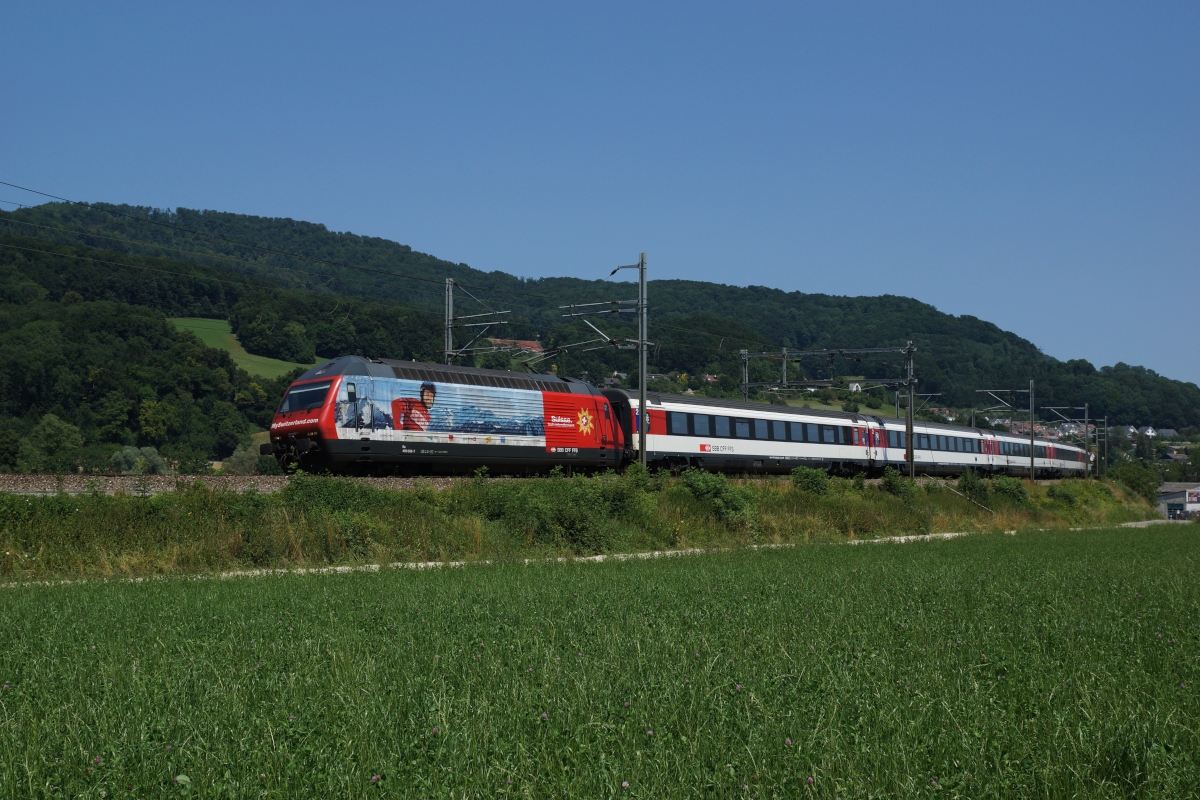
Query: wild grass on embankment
1041	665
319	521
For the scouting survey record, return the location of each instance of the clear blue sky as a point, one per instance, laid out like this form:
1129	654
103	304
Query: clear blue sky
1034	165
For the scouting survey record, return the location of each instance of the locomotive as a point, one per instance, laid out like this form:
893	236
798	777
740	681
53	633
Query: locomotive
357	415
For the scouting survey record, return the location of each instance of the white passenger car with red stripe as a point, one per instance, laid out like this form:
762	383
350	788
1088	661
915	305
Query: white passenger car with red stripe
735	436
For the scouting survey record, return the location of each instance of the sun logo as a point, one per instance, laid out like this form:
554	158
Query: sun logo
585	422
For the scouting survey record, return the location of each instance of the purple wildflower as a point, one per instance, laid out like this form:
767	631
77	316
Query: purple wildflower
435	730
787	742
649	733
375	778
96	760
624	784
738	687
810	780
545	715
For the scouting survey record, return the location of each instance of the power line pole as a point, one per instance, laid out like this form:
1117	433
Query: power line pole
453	322
1032	446
643	412
449	320
909	350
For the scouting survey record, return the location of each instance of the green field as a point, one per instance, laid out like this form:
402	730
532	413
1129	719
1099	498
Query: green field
1042	665
217	333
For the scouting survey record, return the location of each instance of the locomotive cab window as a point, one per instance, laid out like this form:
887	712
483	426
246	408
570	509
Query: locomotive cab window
306	397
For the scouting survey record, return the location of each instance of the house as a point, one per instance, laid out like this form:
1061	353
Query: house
1176	453
710	378
1168	433
610	383
1128	431
1179	500
527	345
655	376
1149	432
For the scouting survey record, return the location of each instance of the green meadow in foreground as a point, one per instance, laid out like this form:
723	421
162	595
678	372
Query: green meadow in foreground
1059	664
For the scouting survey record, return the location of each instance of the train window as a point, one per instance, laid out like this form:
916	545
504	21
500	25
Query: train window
779	430
741	428
797	431
700	424
958	444
811	433
942	443
760	429
722	426
606	411
923	441
305	397
678	423
847	437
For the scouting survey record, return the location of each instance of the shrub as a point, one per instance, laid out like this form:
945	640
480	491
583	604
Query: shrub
729	503
813	481
131	460
971	485
860	482
244	461
894	483
1013	489
1137	477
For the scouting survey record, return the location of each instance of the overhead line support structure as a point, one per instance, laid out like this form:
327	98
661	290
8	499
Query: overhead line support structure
995	393
487	320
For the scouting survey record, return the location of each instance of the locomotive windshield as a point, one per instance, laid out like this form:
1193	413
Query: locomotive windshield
305	397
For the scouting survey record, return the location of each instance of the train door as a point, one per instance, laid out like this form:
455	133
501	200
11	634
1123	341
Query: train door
877	443
359	405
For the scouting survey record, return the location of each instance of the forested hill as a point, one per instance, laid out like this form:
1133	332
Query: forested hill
699	326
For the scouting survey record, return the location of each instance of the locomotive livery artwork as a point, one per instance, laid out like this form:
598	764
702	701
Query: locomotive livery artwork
377	416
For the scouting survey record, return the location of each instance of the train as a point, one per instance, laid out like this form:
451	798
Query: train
369	416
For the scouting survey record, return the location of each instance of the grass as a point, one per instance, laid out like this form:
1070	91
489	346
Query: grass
318	521
1042	665
216	333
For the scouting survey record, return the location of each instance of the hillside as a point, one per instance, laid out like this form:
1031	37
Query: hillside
351	290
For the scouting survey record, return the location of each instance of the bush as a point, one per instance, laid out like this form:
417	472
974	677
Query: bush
50	446
1138	477
138	461
729	503
813	481
894	483
244	461
973	487
1013	489
850	407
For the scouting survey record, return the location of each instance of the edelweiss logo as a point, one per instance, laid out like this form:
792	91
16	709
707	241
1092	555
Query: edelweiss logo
585	421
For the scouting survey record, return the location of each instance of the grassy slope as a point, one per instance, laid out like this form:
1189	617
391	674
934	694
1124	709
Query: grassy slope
1054	664
322	521
216	333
